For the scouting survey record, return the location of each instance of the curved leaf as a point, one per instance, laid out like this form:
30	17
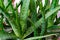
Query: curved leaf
15	28
38	23
32	38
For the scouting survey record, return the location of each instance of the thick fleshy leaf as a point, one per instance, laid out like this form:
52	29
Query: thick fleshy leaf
15	28
24	13
52	17
33	13
38	23
53	29
4	35
32	38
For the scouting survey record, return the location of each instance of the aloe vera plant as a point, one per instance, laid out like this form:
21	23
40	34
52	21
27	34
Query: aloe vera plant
29	23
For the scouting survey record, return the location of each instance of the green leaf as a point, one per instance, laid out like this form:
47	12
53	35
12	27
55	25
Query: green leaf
52	17
52	12
41	6
1	4
24	14
4	35
15	28
38	23
32	38
1	22
54	27
9	2
33	13
33	10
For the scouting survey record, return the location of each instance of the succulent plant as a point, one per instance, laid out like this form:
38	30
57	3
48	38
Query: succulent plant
29	24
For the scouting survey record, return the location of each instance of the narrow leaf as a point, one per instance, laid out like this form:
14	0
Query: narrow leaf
32	38
38	23
24	14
